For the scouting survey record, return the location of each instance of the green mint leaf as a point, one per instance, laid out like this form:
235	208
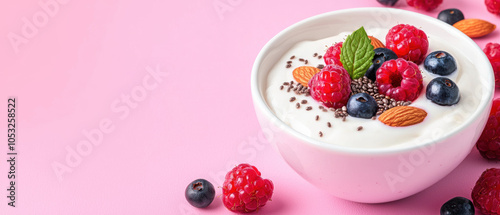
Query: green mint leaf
357	53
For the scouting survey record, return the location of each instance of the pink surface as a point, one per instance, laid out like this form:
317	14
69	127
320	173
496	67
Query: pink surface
163	91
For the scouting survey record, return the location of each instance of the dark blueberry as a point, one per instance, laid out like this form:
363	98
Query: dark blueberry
458	206
381	55
443	91
451	16
362	105
387	2
440	63
200	193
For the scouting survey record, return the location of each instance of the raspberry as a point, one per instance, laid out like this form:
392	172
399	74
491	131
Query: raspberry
332	55
400	80
407	42
244	190
486	192
331	86
424	4
489	141
493	6
492	51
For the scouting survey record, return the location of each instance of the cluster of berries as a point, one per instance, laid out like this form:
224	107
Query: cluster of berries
395	71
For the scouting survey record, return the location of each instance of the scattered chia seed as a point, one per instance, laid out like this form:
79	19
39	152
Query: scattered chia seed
301	59
365	85
320	66
329	124
288	66
306	62
315	54
320	134
309	108
360	128
289	62
317	117
292	99
281	87
292	57
303	101
319	56
297	105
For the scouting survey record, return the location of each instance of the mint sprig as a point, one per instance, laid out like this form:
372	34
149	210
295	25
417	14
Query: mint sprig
357	53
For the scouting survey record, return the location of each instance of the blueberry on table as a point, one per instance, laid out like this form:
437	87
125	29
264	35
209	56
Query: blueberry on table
381	55
387	2
362	105
443	91
200	193
451	16
458	206
440	63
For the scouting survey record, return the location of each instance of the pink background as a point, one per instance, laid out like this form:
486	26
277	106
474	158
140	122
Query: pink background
86	63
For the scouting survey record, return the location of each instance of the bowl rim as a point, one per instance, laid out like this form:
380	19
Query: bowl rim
261	104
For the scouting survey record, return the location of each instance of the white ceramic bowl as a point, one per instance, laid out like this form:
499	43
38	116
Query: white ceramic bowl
370	175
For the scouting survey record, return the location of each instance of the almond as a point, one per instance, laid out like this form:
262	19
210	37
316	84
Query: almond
304	73
475	27
376	43
402	116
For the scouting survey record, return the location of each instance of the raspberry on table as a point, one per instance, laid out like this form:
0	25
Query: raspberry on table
244	190
331	86
424	4
486	192
400	80
492	51
408	42
332	55
489	141
493	6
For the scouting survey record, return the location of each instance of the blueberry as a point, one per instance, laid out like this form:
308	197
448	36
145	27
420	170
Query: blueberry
362	105
381	55
458	206
443	91
440	63
200	193
451	16
387	2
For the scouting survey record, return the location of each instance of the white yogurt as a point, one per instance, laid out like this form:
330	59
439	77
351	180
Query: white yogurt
439	121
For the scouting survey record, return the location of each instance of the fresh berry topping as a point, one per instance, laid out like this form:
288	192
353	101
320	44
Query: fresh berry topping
400	80
493	6
424	4
443	91
332	55
407	42
331	87
381	55
451	16
244	190
492	51
489	141
200	193
440	63
362	105
387	2
485	193
458	206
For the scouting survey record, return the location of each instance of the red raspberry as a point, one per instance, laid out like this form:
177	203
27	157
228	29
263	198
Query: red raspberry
332	55
486	192
400	80
407	42
489	141
424	4
493	6
331	86
492	51
244	190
